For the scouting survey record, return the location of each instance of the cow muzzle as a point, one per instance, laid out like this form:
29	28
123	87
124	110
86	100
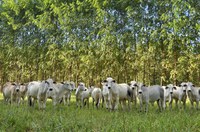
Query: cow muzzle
17	90
189	90
171	92
51	89
140	92
185	91
109	87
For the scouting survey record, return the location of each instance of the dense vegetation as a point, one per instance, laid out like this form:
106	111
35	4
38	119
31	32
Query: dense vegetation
153	41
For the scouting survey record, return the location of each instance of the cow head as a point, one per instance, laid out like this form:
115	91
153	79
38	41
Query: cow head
67	85
183	86
140	88
16	87
109	82
170	88
189	86
133	85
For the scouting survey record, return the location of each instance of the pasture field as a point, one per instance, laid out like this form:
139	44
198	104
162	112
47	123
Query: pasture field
69	118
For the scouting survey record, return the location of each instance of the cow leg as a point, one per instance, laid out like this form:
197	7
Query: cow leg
117	103
159	104
135	102
170	104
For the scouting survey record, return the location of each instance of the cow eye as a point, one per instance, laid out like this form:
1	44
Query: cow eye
185	85
135	85
113	81
193	85
166	87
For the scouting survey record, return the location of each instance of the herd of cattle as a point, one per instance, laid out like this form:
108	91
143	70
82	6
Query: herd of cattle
111	94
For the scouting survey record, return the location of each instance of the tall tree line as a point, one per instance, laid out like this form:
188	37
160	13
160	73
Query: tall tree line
152	41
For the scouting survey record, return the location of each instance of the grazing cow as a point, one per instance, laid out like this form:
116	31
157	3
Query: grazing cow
11	93
105	94
168	91
193	94
96	96
118	92
58	92
179	95
78	93
150	94
133	87
37	91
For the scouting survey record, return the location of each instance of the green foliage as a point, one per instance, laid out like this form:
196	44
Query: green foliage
156	42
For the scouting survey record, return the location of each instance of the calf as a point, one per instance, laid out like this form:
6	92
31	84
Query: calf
23	91
150	94
96	96
168	91
67	95
118	92
105	95
58	92
11	93
37	91
133	87
193	94
78	93
179	95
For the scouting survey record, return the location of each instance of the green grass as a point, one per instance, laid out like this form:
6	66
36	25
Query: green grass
64	118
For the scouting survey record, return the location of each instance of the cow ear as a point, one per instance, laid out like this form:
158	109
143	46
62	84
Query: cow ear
105	81
62	82
113	81
21	84
144	85
166	87
174	88
179	85
13	83
129	84
47	82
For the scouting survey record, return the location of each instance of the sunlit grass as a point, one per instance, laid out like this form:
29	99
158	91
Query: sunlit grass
64	118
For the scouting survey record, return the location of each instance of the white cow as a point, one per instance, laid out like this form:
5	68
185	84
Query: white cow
118	92
23	91
193	94
105	94
150	94
179	95
78	93
133	87
58	92
11	93
37	91
168	91
85	96
67	96
96	96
